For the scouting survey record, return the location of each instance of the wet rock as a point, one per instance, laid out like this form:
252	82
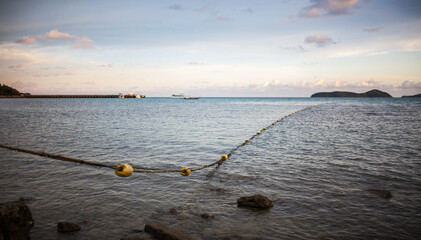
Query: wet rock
381	193
137	230
255	201
207	215
15	220
133	238
218	190
26	199
166	233
65	227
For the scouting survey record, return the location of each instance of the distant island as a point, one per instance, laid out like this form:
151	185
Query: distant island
370	94
413	96
8	91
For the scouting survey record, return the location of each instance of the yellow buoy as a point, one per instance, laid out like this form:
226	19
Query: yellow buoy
273	123
246	140
123	170
277	120
282	118
264	128
224	157
258	132
185	171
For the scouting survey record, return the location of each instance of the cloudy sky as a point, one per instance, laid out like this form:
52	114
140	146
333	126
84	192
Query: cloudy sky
279	48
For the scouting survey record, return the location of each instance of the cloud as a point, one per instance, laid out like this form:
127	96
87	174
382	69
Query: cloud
410	85
213	13
320	40
109	65
176	7
83	43
57	35
26	40
196	63
298	48
16	67
374	29
329	8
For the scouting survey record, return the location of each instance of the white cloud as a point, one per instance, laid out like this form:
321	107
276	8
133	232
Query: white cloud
16	67
26	40
83	42
55	34
329	8
320	40
373	29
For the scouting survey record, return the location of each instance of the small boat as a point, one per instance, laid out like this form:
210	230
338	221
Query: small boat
191	98
181	95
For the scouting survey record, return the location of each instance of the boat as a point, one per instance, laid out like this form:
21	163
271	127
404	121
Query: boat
181	95
191	98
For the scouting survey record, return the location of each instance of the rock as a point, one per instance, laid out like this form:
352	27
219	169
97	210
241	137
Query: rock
381	193
137	230
133	238
255	201
15	220
26	199
166	233
65	227
219	190
207	215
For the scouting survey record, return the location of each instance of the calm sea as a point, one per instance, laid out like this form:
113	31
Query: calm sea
316	165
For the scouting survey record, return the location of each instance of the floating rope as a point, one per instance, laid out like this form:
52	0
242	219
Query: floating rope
125	170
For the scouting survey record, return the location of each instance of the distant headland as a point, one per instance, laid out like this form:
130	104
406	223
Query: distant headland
370	94
9	92
413	96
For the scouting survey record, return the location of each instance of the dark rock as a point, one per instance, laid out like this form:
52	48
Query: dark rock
255	201
166	233
370	94
15	220
219	190
413	96
207	215
65	227
137	230
26	199
133	238
381	193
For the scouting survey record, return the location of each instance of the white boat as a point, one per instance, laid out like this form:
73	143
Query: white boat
181	95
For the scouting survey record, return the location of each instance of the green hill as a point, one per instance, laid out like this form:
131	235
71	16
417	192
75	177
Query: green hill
373	93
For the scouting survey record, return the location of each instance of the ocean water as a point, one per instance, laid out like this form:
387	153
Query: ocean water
316	166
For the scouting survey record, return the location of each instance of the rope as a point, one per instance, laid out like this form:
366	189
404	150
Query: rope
139	169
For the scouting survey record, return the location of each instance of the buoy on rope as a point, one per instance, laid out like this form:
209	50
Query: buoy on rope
277	120
273	123
224	157
124	170
264	128
246	140
258	133
185	171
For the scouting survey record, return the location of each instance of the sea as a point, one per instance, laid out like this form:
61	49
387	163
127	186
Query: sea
318	165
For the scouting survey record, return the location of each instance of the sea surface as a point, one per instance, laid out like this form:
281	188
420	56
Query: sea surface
316	165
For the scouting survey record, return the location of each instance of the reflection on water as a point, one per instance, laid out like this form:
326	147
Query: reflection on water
315	165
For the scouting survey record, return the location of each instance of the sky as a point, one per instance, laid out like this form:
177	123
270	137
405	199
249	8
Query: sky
279	48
